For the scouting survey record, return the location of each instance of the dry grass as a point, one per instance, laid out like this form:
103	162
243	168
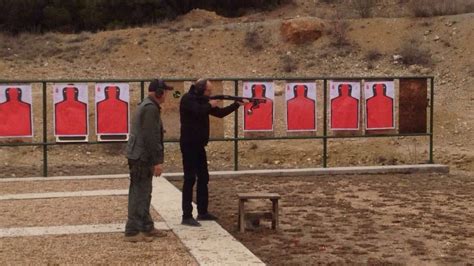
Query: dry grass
372	55
110	45
429	8
364	7
288	64
253	40
79	38
414	54
338	31
329	1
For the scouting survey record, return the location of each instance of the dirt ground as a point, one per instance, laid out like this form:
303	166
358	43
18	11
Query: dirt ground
369	219
66	211
92	249
62	185
104	248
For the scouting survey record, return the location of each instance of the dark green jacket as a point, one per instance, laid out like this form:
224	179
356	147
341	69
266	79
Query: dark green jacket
146	136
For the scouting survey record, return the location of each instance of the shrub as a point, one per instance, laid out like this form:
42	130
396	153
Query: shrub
364	7
110	43
253	40
372	55
428	8
413	54
78	15
288	64
339	30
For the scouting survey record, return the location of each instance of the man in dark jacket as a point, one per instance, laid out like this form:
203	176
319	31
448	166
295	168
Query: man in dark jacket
195	108
145	155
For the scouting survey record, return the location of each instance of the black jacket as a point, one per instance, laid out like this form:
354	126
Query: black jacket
194	112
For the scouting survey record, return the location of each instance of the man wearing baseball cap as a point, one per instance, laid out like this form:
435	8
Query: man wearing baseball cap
145	154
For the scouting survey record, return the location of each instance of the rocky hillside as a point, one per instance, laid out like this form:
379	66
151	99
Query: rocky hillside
202	43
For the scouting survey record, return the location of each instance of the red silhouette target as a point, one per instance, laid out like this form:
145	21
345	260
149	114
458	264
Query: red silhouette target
16	111
379	112
301	106
70	110
112	109
345	102
261	117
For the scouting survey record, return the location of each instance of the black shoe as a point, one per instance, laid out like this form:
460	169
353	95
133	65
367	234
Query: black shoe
206	217
190	222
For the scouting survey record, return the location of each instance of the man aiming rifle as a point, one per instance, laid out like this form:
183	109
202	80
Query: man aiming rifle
195	108
254	101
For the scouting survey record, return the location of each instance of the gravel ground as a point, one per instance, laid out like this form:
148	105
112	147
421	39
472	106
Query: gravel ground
418	219
65	211
62	185
92	249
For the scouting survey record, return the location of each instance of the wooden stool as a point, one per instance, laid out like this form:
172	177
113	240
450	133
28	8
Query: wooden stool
243	197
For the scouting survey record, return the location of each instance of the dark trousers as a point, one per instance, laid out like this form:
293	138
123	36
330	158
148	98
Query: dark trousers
139	198
195	167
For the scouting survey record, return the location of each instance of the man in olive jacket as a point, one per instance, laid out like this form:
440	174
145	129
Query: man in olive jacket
145	155
195	108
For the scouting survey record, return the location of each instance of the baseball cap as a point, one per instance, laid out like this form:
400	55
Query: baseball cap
159	85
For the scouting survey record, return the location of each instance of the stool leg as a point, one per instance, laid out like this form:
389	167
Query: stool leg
241	216
275	215
238	216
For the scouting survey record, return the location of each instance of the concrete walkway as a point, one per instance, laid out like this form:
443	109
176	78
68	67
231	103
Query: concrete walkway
50	195
386	169
69	229
209	244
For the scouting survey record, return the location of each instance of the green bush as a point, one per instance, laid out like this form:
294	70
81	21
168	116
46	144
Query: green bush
92	15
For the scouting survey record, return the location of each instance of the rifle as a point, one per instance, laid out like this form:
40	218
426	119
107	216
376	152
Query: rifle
254	101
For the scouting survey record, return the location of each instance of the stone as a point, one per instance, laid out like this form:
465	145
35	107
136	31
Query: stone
302	30
425	71
415	68
397	57
279	91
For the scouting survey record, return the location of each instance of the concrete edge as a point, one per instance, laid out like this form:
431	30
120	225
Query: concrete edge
388	169
392	169
69	229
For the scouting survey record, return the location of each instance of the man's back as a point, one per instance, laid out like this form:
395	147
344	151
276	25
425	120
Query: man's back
194	116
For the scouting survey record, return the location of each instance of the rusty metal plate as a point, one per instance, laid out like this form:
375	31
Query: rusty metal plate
413	105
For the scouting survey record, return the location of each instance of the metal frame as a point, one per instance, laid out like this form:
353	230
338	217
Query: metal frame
236	139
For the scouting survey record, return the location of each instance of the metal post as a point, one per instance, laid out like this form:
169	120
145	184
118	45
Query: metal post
325	125
236	129
45	132
431	161
142	90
